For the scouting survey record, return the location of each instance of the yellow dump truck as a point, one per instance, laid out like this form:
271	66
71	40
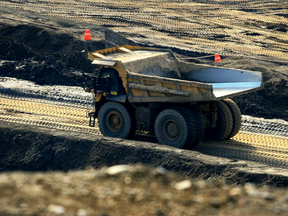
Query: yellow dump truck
149	89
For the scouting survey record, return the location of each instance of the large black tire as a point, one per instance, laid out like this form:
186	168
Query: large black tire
174	127
236	115
199	127
224	123
116	120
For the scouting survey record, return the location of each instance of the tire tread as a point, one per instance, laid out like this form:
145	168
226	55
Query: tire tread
128	118
236	115
185	117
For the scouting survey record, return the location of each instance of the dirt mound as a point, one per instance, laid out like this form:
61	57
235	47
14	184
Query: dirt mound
44	40
50	56
43	70
132	190
11	50
254	104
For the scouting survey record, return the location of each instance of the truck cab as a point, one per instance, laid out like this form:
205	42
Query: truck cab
108	82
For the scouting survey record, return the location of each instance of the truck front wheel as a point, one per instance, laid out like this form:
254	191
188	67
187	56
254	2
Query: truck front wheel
174	127
116	120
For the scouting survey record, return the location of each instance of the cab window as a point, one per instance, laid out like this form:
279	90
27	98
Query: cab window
106	76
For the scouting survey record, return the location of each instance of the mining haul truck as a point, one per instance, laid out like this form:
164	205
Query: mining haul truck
151	90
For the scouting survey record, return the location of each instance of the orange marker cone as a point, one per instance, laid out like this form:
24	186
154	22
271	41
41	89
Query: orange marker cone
87	35
217	58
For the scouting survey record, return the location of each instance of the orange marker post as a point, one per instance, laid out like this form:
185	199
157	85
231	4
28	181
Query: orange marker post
217	57
87	35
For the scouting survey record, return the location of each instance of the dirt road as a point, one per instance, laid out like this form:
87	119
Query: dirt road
267	148
225	27
43	125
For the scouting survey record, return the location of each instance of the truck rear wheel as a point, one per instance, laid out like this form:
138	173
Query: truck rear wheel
174	127
224	123
236	115
199	128
115	120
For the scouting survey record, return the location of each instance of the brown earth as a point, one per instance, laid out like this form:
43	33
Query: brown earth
60	53
74	179
54	57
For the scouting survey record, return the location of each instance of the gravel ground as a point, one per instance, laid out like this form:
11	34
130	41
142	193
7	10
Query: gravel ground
64	173
132	190
55	57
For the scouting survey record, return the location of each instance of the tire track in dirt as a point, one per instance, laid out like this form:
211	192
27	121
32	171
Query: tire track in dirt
267	149
247	27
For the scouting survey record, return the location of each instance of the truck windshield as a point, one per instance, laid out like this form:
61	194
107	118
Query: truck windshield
107	76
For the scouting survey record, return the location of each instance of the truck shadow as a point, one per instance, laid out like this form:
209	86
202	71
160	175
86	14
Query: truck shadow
236	151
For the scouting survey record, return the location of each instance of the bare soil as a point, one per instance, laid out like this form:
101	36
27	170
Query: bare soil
48	184
55	57
54	172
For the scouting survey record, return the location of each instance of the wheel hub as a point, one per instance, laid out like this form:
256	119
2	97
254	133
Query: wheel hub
114	121
172	129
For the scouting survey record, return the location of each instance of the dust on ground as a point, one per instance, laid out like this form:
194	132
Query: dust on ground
56	57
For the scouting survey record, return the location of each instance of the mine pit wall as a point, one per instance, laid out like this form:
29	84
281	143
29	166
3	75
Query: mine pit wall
42	149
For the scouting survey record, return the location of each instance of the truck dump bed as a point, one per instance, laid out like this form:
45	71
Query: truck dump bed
150	75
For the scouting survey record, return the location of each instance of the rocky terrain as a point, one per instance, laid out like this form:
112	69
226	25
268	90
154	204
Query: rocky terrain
132	190
47	171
